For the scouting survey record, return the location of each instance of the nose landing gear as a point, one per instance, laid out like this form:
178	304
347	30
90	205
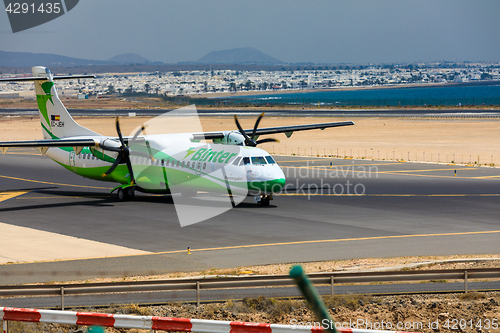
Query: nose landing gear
263	200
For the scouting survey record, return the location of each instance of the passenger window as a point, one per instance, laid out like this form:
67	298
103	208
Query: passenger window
270	160
237	160
187	164
183	164
246	160
178	162
259	160
204	165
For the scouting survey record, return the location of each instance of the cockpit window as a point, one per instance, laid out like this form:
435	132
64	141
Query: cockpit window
258	160
237	160
270	159
246	160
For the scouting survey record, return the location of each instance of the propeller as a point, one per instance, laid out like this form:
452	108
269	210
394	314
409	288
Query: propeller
250	141
124	153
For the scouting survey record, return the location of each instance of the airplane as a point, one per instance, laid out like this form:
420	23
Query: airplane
160	163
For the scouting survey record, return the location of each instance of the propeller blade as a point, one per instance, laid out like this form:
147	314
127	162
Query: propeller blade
119	131
147	145
257	125
137	133
130	170
240	128
113	167
266	140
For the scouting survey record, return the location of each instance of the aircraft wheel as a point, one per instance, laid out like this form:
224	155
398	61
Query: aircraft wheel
122	195
126	194
264	201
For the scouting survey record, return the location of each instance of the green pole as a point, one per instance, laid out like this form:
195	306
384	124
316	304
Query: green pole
313	299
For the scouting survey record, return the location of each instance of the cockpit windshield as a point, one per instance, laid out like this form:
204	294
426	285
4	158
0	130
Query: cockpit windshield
255	160
258	160
270	159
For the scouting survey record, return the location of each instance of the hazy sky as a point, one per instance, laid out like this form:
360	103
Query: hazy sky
331	31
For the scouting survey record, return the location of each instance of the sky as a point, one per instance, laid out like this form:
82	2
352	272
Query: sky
318	31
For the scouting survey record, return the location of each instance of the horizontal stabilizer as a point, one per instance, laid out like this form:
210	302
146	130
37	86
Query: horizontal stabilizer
37	78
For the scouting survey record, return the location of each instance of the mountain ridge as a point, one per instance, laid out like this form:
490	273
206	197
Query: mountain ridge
242	55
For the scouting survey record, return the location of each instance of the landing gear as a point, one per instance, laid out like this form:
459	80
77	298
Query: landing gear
125	194
263	200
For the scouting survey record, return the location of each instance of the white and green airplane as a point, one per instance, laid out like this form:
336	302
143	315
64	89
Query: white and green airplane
160	163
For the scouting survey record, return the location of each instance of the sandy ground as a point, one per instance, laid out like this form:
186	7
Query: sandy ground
414	139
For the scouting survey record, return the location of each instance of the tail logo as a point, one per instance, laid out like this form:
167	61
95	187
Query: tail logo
55	121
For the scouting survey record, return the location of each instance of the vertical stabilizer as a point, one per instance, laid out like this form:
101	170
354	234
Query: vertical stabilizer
55	119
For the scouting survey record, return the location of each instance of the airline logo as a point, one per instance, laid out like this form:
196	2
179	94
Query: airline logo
209	155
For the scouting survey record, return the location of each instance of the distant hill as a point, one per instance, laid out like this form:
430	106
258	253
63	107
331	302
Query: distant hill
19	59
129	58
244	55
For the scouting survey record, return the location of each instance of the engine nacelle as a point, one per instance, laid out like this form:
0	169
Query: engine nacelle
232	138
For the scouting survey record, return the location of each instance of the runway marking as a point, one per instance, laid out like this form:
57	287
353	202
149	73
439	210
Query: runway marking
64	197
393	195
338	165
424	170
11	194
335	240
51	183
408	173
289	243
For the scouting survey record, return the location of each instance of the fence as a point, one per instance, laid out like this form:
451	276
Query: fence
154	323
249	281
387	155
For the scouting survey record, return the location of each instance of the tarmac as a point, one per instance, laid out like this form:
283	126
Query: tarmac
57	226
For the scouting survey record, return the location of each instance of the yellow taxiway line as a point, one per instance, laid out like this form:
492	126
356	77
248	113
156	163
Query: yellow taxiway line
288	243
51	183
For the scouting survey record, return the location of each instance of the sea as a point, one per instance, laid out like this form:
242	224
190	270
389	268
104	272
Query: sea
443	95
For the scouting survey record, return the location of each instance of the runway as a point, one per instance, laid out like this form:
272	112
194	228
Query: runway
351	209
279	112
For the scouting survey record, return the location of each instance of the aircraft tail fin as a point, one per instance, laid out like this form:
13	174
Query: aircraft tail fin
55	119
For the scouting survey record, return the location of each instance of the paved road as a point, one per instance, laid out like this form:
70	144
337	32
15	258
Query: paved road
405	209
234	294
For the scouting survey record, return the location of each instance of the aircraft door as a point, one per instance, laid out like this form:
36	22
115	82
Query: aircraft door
198	167
72	158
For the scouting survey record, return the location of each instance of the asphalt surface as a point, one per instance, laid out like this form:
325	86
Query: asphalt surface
212	295
404	209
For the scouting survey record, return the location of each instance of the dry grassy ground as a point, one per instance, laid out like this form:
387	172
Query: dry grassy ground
416	139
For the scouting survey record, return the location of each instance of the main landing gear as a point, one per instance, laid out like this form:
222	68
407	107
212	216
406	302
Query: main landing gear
263	200
127	193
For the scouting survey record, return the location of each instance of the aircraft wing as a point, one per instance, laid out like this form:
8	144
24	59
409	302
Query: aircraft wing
288	130
4	146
